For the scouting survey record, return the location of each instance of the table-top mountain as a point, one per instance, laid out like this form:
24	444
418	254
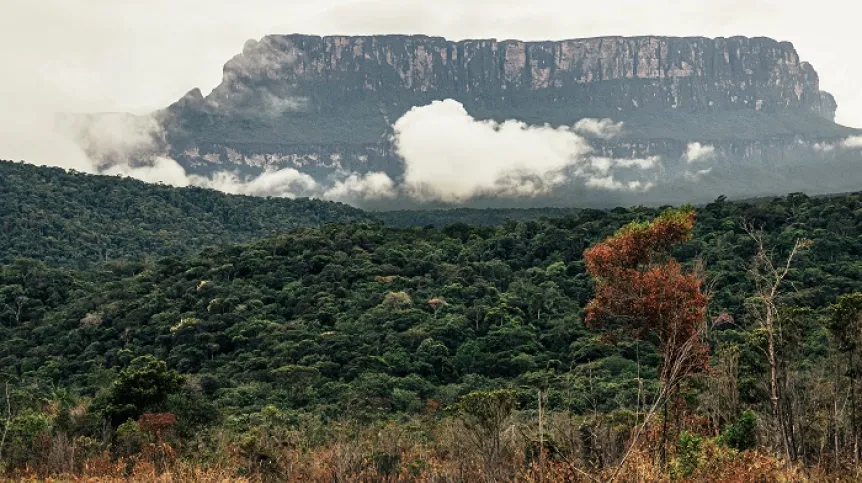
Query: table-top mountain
735	116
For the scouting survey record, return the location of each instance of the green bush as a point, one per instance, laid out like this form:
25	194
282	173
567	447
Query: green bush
28	440
687	453
742	435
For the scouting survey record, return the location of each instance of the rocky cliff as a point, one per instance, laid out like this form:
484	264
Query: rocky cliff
327	104
613	73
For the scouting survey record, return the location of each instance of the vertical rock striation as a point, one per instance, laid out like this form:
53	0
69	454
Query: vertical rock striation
326	105
690	74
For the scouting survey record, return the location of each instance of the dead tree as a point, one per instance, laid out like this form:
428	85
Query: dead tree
769	279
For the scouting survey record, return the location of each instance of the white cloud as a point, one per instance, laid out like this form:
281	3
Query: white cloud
601	128
272	58
261	59
823	147
448	155
601	164
162	170
33	139
642	163
696	175
696	152
286	182
275	105
112	134
283	183
66	65
451	156
134	146
852	142
357	187
611	184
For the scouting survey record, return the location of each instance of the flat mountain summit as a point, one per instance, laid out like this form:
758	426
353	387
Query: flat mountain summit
665	119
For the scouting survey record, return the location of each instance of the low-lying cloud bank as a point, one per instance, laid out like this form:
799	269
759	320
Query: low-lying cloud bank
370	186
452	157
852	142
696	152
601	128
848	143
135	147
448	155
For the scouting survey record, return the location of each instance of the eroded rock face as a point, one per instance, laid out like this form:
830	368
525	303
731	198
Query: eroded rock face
326	105
609	73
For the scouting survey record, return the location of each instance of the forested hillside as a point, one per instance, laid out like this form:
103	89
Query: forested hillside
469	216
359	322
75	219
433	312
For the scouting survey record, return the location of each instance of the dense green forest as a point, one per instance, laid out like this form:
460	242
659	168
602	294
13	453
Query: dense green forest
469	216
76	219
283	340
389	318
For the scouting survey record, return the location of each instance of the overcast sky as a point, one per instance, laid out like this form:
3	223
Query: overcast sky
140	55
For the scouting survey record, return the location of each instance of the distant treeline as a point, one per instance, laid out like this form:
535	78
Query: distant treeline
252	350
76	219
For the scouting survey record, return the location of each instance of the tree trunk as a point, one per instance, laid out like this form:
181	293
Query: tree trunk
663	447
773	378
6	423
837	448
768	277
541	441
853	421
19	304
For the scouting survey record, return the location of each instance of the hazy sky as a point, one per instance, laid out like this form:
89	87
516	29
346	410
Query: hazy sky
136	55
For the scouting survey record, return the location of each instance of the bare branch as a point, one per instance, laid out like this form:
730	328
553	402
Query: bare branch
8	421
675	375
768	279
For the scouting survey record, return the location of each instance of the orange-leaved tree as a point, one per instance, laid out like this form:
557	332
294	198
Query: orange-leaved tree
643	290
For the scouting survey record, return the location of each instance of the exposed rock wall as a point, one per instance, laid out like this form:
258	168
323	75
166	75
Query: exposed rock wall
617	73
326	106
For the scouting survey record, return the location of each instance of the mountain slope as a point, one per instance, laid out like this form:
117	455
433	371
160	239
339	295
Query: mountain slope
326	106
342	319
75	219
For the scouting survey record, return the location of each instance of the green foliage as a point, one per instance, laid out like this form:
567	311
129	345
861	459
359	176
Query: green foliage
742	435
129	439
143	386
336	320
488	411
845	321
27	435
73	219
354	323
193	410
688	453
460	222
670	216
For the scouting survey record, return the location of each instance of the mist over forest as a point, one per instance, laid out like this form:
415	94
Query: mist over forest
520	243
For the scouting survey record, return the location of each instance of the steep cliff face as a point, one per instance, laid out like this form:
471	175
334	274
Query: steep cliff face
691	74
327	104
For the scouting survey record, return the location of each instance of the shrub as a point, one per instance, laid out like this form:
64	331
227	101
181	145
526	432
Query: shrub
743	434
688	453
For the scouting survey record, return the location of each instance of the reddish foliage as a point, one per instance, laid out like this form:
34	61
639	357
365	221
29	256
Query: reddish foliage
640	286
157	423
432	406
722	319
